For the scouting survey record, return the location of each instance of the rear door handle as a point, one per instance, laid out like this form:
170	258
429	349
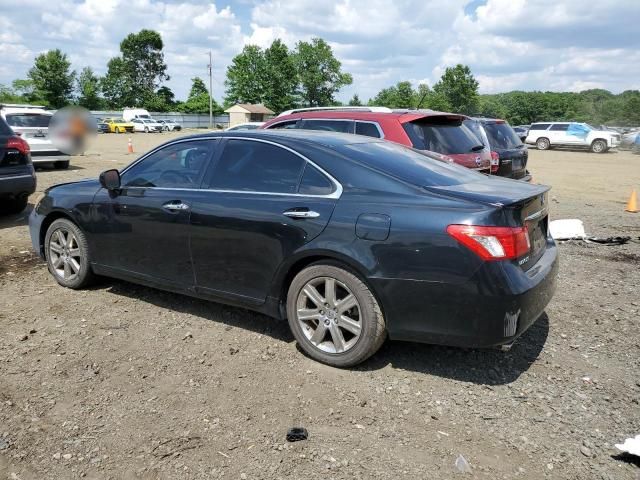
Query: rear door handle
175	206
306	213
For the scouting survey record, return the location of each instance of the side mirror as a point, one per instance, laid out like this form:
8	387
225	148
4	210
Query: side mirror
110	179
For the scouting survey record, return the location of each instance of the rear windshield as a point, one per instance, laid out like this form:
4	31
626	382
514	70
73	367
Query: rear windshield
34	120
408	165
442	135
502	136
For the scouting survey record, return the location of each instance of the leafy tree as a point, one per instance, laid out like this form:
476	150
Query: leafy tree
281	77
198	101
246	76
459	87
385	98
355	101
88	86
319	72
52	78
133	77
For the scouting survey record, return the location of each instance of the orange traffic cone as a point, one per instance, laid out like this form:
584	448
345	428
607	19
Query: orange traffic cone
632	205
130	146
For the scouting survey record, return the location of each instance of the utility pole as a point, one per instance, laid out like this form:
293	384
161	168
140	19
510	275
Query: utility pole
210	91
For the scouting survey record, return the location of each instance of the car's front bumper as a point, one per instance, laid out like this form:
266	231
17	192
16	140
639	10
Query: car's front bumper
35	225
493	308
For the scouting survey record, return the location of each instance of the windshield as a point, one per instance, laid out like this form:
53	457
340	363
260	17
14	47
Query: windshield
34	120
501	136
409	165
442	135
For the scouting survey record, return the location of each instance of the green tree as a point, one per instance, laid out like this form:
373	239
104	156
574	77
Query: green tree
198	101
88	86
133	78
280	79
459	87
246	76
319	72
355	101
52	78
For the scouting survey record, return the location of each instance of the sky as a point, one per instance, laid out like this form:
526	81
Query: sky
558	45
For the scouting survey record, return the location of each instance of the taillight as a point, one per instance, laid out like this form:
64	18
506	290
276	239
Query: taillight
495	162
19	144
492	243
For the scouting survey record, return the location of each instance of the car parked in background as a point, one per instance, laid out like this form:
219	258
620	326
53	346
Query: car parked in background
509	155
119	125
545	135
245	126
17	176
350	238
101	126
170	125
522	131
442	133
32	124
630	139
146	126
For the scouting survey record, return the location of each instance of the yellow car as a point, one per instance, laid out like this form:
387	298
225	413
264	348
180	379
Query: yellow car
119	125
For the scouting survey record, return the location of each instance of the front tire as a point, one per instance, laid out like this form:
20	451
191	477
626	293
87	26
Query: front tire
146	129
62	165
67	254
118	130
599	146
334	316
543	144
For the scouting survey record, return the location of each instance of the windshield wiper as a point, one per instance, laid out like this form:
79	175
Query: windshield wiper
477	148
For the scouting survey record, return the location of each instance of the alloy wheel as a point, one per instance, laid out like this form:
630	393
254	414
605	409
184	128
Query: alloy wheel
65	255
329	315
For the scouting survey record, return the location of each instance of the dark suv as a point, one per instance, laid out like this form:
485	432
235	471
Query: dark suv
17	177
504	144
442	133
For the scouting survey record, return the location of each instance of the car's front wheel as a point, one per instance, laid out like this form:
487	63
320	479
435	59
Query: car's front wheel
543	144
118	130
599	146
67	254
334	316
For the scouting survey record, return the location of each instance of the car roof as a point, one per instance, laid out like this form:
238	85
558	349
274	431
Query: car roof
403	116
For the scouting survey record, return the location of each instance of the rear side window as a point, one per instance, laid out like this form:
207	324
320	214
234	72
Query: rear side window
28	120
314	182
368	128
559	127
501	136
539	126
442	135
252	166
344	126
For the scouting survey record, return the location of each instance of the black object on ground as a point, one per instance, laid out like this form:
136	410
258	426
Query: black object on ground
296	434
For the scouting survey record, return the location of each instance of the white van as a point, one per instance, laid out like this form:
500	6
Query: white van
130	113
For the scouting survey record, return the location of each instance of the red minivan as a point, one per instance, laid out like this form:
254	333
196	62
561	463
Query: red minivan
443	133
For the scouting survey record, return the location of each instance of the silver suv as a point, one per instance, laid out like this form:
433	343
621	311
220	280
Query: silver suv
31	122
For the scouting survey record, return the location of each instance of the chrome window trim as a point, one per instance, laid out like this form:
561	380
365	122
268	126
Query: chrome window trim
336	194
377	125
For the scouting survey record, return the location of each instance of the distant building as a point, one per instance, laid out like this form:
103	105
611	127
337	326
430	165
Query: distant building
246	112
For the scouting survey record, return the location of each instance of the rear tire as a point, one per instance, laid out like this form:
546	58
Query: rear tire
146	129
13	205
62	165
118	130
599	146
338	323
67	253
543	144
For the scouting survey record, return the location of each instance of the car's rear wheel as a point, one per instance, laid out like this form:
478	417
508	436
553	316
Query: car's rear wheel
599	146
62	165
146	129
334	316
118	130
543	144
13	205
67	254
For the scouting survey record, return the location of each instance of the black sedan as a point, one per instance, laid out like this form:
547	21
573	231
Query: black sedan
17	176
352	239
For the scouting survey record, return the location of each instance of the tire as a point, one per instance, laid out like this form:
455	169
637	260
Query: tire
13	205
146	129
340	338
599	146
68	261
543	144
118	130
62	165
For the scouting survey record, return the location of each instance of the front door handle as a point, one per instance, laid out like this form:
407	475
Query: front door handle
306	213
176	206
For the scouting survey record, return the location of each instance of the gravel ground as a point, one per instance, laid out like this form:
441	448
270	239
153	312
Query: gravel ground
125	382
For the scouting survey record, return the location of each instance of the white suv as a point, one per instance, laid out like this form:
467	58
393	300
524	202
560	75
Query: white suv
32	124
146	125
571	134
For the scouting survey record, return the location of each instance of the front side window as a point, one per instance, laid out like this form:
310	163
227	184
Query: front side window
179	165
252	166
343	126
539	126
368	128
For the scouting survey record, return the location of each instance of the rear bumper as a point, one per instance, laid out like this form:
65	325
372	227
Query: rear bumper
18	185
49	157
493	308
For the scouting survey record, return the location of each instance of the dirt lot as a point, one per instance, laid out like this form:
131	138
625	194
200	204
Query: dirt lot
125	382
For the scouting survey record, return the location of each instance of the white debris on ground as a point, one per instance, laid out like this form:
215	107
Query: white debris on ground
630	445
567	229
